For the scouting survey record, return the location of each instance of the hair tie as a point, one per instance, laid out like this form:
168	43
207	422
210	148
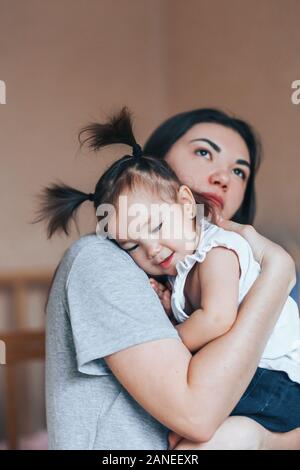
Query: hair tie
137	151
91	196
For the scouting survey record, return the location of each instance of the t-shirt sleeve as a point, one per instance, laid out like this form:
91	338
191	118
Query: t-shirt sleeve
111	306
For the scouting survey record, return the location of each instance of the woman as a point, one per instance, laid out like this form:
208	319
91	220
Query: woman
218	156
112	380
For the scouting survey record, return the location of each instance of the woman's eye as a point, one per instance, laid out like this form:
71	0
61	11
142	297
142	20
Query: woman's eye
157	229
240	173
203	153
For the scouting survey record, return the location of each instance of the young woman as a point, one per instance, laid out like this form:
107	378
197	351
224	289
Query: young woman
216	155
117	375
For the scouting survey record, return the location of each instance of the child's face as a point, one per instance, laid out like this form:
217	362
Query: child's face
157	234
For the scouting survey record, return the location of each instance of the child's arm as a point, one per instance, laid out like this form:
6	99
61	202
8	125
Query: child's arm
218	278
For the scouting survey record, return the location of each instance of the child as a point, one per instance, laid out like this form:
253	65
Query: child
153	217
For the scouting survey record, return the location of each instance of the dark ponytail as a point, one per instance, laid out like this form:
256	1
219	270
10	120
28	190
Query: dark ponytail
118	130
58	205
59	202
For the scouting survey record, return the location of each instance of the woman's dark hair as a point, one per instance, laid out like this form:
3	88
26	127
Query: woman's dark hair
162	139
60	202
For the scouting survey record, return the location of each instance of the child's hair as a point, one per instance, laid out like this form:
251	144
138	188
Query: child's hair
60	202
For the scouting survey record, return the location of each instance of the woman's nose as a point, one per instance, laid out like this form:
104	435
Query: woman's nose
220	178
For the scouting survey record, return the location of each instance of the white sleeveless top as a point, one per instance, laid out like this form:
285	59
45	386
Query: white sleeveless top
283	348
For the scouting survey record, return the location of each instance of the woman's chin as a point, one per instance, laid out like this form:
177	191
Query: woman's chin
226	215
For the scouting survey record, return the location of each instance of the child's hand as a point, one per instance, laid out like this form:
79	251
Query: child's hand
164	294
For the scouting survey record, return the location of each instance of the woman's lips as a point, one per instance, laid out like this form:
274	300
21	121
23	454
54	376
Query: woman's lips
166	262
214	198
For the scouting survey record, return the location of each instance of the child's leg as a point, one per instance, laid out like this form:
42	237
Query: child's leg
241	433
273	399
282	441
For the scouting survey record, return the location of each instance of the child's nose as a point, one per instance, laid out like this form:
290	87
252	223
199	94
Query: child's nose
153	248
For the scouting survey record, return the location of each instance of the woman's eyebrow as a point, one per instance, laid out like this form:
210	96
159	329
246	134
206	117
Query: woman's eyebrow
240	161
243	162
212	144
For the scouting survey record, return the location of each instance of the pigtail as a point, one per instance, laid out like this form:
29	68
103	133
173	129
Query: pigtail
58	206
117	130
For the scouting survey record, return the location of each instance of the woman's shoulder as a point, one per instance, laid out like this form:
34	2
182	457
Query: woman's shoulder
91	253
86	243
92	245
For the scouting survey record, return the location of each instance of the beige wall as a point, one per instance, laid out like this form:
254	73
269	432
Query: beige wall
66	62
242	56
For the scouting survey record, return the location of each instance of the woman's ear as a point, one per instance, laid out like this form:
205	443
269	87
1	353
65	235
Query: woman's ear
186	198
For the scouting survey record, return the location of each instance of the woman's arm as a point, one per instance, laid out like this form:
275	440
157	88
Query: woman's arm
193	395
217	280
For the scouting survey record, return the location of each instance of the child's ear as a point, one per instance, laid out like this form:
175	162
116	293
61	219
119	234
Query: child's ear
186	198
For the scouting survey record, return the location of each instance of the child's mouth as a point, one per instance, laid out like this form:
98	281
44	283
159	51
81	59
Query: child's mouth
166	263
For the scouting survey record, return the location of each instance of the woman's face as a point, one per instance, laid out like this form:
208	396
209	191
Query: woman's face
213	160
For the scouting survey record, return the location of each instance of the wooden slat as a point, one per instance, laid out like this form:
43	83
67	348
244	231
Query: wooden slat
20	303
27	277
23	345
11	412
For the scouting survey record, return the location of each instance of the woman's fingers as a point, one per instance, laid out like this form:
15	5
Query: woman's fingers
263	249
174	439
257	242
235	433
234	226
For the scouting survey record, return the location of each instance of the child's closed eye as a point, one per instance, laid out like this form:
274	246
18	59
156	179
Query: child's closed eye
157	229
132	248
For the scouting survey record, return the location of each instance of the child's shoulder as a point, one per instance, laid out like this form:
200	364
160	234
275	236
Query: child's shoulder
216	236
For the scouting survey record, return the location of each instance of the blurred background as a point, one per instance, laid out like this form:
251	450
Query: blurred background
67	62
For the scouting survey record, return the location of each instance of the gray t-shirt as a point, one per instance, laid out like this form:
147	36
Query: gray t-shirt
100	303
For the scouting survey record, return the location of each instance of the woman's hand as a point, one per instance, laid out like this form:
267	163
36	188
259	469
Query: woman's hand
235	433
240	433
174	440
264	250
